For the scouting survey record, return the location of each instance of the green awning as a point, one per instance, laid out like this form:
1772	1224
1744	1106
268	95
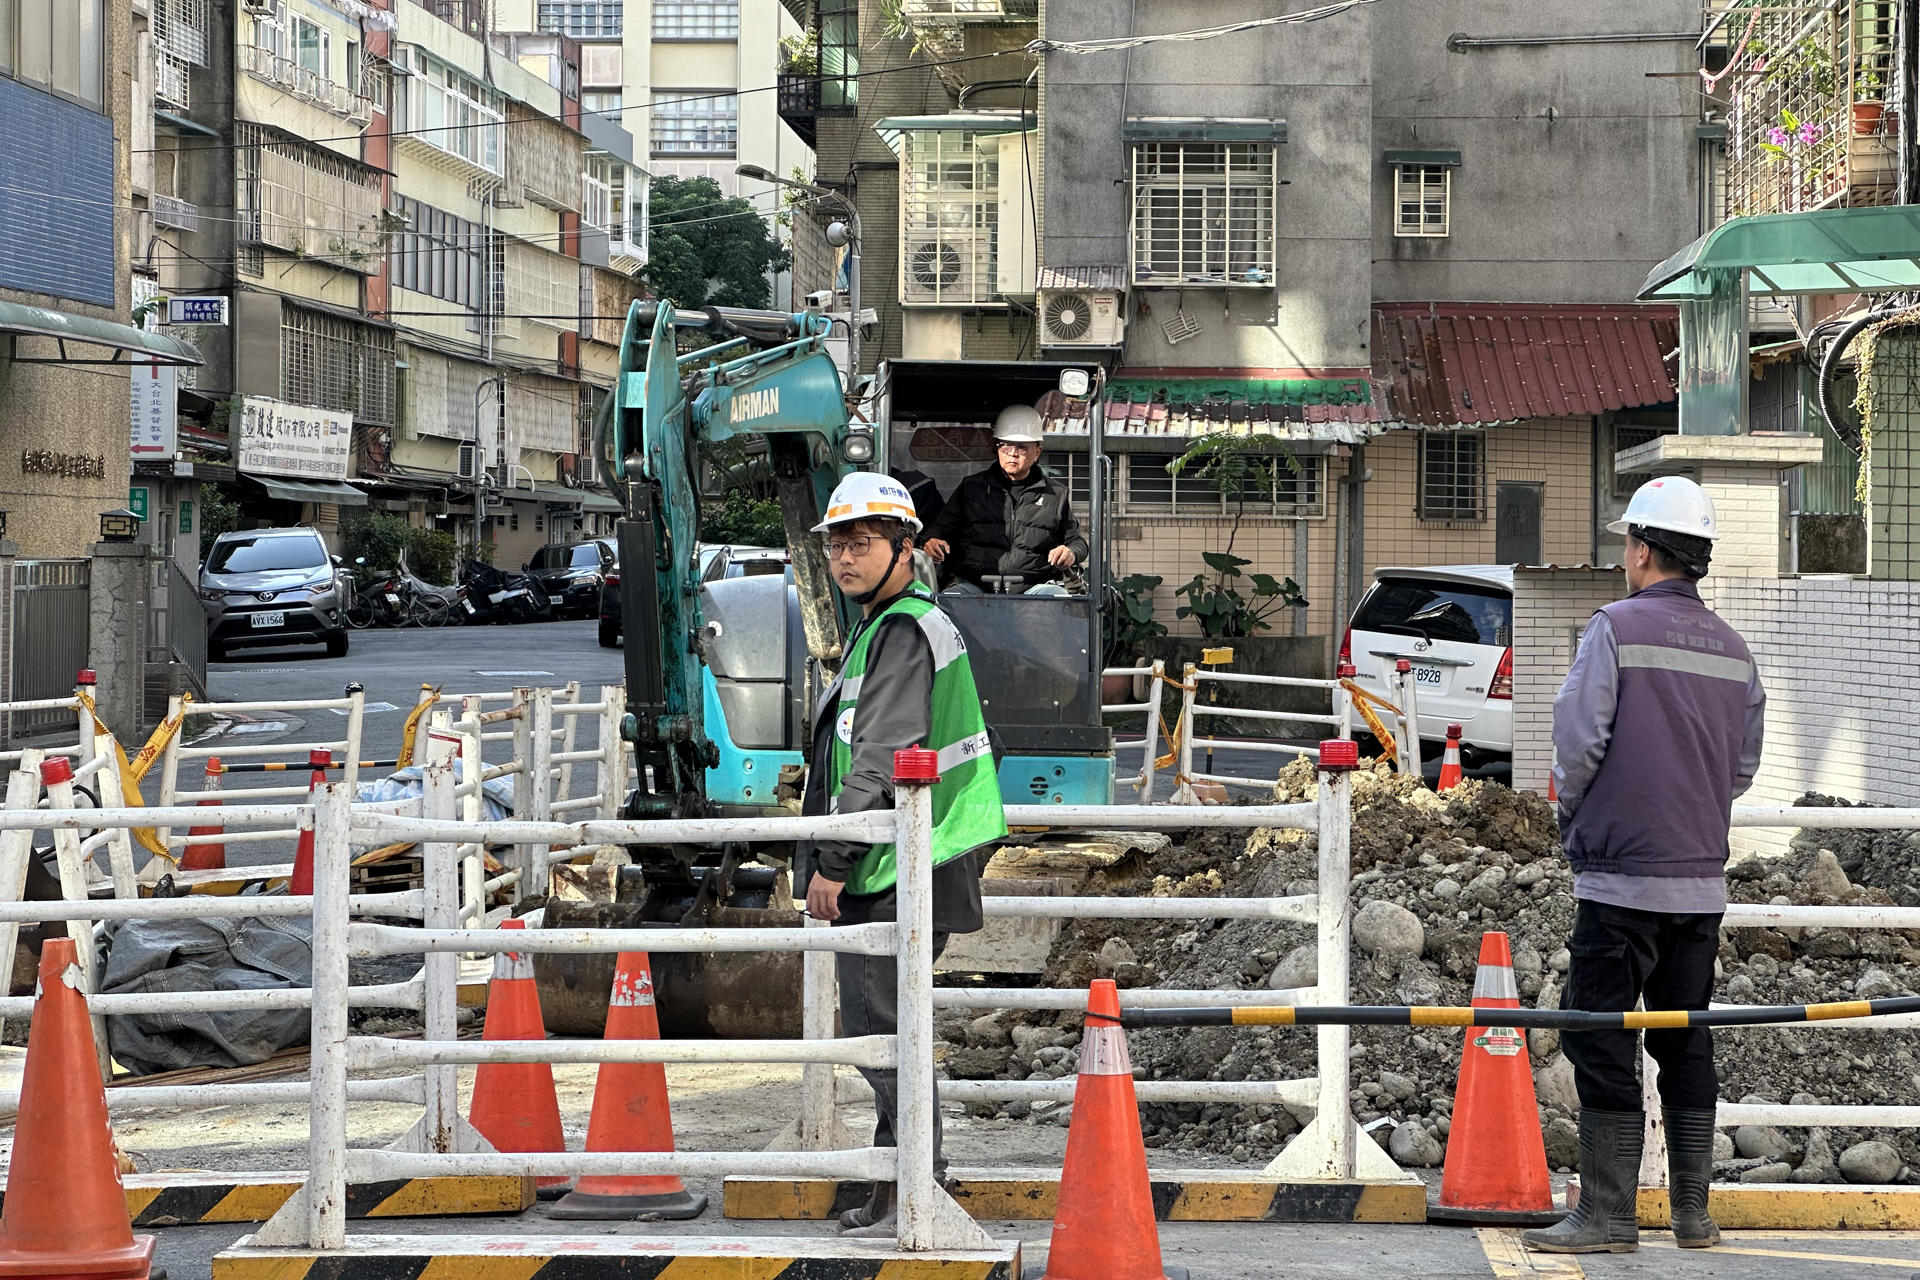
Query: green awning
340	495
1165	129
1448	159
600	502
1831	251
65	327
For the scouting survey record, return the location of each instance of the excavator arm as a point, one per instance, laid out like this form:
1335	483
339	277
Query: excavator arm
769	376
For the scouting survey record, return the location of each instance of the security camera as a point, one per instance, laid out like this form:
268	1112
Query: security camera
820	300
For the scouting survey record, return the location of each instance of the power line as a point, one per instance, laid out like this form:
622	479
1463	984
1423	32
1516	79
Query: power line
1116	43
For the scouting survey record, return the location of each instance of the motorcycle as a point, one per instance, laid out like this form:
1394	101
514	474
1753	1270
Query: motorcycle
499	596
377	601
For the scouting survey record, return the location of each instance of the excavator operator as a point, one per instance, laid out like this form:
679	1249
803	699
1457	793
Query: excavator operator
906	681
1011	521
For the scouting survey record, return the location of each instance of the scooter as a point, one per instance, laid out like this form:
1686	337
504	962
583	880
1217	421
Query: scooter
498	596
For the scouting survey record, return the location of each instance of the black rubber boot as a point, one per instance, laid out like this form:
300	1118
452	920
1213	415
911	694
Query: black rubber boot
878	1209
1606	1218
1689	1173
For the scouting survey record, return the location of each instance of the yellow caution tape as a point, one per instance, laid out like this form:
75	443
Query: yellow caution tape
130	775
420	708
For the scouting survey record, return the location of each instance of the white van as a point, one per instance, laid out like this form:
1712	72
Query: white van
1454	624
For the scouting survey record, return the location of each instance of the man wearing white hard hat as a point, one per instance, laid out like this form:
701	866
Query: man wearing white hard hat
905	681
1011	521
1655	731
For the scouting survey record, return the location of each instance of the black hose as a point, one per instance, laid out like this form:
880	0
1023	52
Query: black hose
1848	432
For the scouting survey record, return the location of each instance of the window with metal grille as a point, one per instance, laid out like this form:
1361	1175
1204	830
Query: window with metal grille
1453	476
1421	196
701	123
1203	213
440	255
839	53
298	198
581	19
949	218
1269	488
696	19
180	28
333	363
1624	438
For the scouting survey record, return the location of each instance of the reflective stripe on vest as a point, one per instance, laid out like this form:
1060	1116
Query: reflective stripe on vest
966	801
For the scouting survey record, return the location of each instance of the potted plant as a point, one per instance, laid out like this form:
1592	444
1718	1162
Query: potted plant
1232	604
799	55
1869	103
1129	625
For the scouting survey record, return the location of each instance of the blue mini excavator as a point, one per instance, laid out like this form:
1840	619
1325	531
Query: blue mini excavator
722	674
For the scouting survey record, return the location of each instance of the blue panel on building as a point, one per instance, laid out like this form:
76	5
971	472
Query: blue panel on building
61	245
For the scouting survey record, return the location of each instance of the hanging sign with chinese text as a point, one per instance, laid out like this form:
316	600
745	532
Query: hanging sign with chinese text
290	440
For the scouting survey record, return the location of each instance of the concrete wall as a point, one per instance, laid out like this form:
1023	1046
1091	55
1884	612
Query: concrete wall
1840	659
1542	131
1550	610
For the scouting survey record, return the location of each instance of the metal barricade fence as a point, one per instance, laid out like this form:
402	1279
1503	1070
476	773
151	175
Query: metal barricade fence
1338	720
1142	781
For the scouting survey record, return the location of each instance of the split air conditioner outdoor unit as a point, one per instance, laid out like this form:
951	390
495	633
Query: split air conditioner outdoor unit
1082	317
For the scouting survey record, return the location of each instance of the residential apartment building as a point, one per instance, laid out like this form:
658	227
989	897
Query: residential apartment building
1400	243
406	221
693	79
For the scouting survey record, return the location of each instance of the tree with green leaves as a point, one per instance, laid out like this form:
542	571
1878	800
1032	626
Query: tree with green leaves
1232	603
707	250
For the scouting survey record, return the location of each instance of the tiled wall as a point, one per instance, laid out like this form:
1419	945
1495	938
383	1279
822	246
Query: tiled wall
63	247
1549	611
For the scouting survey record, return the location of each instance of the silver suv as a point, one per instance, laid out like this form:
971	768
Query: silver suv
272	587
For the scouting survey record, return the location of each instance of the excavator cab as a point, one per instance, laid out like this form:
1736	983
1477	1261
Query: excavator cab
1036	658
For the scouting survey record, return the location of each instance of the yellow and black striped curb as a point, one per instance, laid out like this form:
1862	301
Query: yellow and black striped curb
1808	1207
188	1199
995	1195
613	1257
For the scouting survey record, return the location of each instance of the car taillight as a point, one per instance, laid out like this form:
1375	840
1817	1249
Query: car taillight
1502	686
1346	648
613	579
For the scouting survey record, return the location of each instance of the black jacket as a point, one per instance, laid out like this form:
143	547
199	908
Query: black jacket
896	710
999	526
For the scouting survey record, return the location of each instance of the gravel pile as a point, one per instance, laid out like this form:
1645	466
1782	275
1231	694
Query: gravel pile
1431	873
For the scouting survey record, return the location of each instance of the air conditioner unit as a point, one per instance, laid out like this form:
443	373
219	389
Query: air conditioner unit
940	270
1082	317
469	465
262	7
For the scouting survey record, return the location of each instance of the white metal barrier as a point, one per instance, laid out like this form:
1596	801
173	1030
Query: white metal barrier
1338	720
1142	781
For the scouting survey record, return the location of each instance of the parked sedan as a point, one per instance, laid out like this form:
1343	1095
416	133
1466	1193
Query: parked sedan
571	574
716	560
272	587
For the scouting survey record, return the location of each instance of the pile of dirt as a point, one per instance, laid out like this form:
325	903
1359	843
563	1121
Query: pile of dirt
1430	874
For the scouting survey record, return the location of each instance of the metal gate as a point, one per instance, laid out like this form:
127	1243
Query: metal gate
176	638
50	638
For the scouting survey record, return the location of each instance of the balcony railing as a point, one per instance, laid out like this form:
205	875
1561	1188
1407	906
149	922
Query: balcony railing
309	86
172	82
943	12
1813	121
171	211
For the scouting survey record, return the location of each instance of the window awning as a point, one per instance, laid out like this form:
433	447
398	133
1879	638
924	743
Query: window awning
1445	159
894	128
592	501
1830	251
544	491
340	495
64	327
1167	129
1303	410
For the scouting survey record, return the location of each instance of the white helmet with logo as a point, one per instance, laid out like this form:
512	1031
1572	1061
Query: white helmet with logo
1017	424
1673	503
867	495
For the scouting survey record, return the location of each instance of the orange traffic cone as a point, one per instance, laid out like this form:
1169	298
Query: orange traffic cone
1496	1171
1104	1226
302	879
211	856
630	1113
514	1105
1553	792
66	1211
1450	763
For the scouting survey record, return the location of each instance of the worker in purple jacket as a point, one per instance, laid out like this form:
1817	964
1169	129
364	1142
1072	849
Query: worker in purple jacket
1655	731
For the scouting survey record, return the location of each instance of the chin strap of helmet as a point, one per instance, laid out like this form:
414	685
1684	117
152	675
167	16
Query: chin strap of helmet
898	542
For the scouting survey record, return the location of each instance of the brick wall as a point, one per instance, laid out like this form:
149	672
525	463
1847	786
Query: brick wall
1549	612
1746	510
1840	659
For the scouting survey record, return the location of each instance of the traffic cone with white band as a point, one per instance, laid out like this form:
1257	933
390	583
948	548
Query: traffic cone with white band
1496	1171
1104	1226
630	1113
514	1105
211	856
1450	763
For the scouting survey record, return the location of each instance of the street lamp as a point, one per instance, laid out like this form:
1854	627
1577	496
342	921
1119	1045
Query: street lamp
839	235
121	525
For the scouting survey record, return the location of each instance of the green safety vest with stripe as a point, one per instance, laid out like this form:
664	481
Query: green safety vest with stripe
966	801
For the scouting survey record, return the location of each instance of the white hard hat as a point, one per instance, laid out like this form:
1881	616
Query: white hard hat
867	495
1673	503
1017	424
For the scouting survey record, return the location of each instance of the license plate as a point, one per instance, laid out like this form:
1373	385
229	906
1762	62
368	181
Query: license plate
467	605
392	598
260	620
556	599
1431	676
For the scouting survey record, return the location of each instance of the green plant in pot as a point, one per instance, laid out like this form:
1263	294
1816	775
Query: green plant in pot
1127	624
1229	603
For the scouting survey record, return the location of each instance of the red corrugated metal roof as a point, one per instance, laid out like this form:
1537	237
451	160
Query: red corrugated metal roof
1476	364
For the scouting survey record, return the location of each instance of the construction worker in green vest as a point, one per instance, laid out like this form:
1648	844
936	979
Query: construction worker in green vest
905	682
